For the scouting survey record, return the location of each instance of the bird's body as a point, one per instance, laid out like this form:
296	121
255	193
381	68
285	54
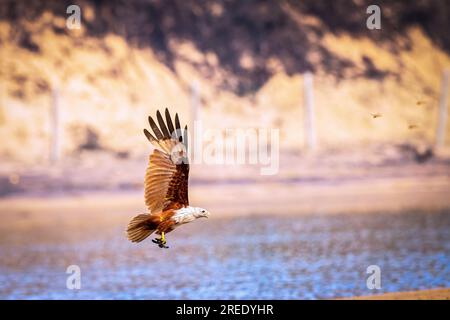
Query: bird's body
166	184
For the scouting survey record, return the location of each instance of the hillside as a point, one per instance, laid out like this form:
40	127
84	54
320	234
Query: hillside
247	59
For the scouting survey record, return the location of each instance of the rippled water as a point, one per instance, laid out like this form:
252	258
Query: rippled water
249	258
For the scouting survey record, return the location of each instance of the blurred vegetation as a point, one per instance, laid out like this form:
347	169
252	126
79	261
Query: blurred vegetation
248	58
232	29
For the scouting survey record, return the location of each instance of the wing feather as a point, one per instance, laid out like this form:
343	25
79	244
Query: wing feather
185	137
178	127
166	181
162	125
155	128
170	124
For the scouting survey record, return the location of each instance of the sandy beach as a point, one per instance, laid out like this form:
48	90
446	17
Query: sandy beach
433	294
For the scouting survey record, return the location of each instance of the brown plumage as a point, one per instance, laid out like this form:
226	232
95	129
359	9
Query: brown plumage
166	182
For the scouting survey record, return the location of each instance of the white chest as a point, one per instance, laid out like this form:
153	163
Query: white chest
184	215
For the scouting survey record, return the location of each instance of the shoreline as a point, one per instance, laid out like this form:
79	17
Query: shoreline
364	196
428	294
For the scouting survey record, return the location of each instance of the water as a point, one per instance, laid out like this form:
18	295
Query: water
305	257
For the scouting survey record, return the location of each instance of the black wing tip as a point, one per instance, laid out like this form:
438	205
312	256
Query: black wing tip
162	125
163	130
151	121
155	128
149	136
158	114
170	125
185	137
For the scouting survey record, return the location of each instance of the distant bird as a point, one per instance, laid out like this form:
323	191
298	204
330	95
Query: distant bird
166	183
376	115
419	103
412	126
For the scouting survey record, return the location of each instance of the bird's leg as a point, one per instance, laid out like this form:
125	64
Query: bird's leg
161	242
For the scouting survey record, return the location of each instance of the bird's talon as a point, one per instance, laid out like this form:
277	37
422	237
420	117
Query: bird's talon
160	242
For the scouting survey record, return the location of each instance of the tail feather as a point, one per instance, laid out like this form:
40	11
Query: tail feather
140	227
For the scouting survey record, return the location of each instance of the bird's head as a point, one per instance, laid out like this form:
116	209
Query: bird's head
201	213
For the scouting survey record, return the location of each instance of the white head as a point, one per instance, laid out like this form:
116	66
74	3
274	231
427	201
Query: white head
200	213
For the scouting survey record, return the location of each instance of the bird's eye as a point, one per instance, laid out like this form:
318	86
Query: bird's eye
203	211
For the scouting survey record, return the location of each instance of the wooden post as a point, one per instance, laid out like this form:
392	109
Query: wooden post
2	113
310	129
195	116
443	110
195	102
2	94
54	127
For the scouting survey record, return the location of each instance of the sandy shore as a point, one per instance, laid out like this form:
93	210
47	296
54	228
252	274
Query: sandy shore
363	196
432	294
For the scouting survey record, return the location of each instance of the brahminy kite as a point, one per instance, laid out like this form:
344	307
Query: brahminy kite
165	184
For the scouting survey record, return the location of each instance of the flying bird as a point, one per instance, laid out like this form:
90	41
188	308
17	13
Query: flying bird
165	184
376	115
412	126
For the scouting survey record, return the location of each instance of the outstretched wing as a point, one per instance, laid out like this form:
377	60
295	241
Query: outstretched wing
166	178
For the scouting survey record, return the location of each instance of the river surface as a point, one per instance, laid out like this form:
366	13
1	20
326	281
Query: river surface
258	257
